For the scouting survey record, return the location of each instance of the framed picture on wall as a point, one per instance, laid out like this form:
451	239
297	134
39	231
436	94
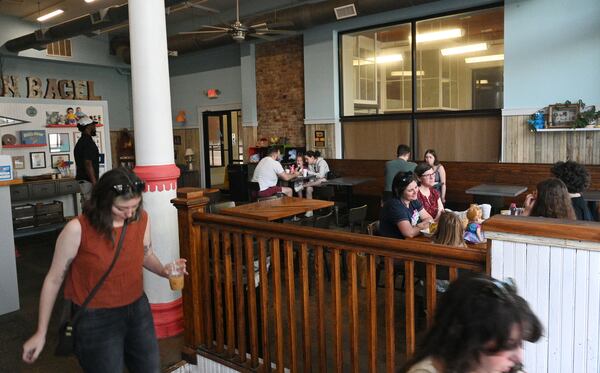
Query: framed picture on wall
37	159
56	158
562	115
58	142
18	162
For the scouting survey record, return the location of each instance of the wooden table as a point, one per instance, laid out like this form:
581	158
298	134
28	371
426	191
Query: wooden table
591	195
494	194
276	209
348	182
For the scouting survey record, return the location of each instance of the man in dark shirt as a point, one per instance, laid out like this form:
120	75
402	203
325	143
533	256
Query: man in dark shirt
87	162
393	167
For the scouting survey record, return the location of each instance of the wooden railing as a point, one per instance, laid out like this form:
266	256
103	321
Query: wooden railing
299	312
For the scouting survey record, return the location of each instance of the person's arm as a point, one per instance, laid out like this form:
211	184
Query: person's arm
407	229
89	170
439	210
442	172
528	205
151	261
67	246
426	219
288	176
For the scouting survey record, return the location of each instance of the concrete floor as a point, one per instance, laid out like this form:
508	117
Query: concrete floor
32	266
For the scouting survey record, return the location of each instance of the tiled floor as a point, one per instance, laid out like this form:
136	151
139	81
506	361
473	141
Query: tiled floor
32	265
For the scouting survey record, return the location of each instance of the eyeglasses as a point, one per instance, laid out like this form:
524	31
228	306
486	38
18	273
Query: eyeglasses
428	175
503	290
137	187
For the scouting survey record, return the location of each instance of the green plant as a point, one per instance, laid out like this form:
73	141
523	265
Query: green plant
585	117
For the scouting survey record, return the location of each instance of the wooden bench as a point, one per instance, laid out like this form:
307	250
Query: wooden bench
460	177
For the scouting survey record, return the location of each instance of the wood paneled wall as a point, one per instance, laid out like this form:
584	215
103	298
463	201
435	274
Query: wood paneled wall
249	138
475	139
327	151
374	139
524	146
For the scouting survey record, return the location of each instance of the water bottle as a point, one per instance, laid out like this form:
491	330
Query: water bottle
513	208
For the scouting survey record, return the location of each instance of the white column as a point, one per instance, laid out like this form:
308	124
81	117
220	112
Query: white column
154	150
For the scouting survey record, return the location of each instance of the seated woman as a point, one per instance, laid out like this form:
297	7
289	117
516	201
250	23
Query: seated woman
449	231
577	179
400	215
440	173
318	167
550	201
479	325
300	166
427	194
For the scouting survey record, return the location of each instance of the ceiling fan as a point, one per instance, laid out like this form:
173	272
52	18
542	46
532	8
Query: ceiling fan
238	30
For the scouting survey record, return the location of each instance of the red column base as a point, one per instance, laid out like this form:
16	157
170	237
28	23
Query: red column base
168	318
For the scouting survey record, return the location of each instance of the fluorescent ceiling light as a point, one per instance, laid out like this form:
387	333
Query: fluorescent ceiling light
89	1
440	35
488	58
482	81
389	58
407	73
464	49
50	15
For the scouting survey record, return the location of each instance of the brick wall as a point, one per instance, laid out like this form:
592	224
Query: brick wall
280	90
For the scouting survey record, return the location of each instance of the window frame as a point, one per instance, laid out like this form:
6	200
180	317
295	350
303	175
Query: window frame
414	113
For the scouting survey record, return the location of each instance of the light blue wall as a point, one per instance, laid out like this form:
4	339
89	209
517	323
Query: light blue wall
187	91
552	52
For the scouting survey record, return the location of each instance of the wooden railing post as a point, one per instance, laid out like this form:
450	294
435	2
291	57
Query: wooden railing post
188	202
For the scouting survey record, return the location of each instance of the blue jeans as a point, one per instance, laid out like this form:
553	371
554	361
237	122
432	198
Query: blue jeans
106	339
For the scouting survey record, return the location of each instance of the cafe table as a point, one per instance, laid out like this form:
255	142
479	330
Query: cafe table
348	182
494	194
276	209
591	195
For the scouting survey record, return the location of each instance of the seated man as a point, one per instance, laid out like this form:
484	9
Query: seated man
400	164
267	173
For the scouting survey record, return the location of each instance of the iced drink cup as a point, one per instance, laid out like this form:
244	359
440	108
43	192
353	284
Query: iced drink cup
175	276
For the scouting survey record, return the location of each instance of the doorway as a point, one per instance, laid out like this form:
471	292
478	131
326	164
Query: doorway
223	145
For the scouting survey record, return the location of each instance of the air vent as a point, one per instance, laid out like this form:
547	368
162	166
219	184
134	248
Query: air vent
345	11
99	16
60	48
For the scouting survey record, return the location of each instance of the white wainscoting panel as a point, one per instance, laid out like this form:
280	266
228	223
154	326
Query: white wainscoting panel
562	286
204	366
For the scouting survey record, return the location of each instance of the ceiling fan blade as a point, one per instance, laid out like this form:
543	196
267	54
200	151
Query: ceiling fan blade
261	25
224	32
216	27
261	36
201	7
214	37
276	32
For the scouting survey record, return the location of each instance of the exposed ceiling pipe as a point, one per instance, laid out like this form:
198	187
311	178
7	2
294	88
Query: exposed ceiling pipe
91	22
303	16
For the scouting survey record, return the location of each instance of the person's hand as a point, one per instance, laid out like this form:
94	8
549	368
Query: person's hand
529	201
33	347
179	263
424	224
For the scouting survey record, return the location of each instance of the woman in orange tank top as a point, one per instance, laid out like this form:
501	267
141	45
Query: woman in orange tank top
116	328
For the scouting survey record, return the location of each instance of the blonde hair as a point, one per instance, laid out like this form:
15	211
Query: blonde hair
449	231
474	212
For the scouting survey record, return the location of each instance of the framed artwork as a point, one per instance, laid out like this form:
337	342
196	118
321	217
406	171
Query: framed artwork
97	139
37	159
319	139
58	142
562	115
176	140
18	162
56	158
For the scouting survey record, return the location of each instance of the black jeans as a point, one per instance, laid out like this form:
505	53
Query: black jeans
106	339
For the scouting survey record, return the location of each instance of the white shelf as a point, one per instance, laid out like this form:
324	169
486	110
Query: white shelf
568	129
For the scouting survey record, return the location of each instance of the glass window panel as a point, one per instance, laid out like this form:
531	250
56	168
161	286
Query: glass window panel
453	51
376	70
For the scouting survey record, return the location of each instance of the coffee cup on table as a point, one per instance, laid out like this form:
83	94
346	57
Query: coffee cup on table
486	210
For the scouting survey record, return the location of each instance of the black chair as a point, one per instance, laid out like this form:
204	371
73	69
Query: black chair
357	216
253	189
323	221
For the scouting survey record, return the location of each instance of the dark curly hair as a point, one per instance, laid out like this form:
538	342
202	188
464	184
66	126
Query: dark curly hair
476	316
573	174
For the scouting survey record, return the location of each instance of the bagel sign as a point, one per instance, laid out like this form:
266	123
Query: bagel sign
52	88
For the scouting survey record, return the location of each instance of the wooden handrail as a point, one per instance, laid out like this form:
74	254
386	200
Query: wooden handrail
263	294
383	246
544	227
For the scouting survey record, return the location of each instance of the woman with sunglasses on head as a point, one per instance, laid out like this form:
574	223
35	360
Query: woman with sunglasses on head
550	200
399	217
439	171
479	326
427	194
116	328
